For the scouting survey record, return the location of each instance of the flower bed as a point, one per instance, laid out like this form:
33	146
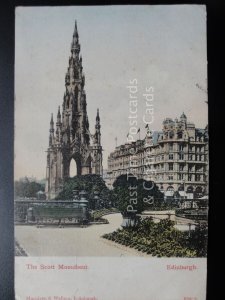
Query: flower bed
158	239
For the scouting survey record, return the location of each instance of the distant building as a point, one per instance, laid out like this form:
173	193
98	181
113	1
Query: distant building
176	158
107	178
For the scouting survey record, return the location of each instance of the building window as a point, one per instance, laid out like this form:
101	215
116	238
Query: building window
170	146
170	177
190	169
197	177
179	135
171	134
170	156
170	167
180	176
201	169
181	147
189	177
181	156
181	167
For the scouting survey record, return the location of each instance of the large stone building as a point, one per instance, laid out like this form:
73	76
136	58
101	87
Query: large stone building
71	138
176	158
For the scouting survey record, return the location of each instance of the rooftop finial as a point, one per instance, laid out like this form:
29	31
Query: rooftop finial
75	29
75	42
51	122
183	116
59	114
97	117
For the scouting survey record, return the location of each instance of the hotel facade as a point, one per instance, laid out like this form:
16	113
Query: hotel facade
176	159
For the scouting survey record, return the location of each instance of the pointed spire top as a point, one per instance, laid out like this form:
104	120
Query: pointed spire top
59	114
75	42
52	122
97	117
183	115
75	33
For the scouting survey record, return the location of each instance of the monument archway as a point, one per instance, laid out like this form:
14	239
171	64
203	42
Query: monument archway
75	166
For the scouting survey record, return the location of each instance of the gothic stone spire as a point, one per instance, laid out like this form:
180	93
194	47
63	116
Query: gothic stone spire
52	124
75	46
71	139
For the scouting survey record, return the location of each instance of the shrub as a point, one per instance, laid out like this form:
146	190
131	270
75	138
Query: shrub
162	239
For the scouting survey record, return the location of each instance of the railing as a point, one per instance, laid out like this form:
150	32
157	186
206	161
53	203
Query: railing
193	214
40	212
197	209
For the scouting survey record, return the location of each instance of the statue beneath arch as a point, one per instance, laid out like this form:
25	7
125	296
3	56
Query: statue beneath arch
71	138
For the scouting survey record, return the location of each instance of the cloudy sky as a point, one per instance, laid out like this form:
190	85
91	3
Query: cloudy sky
163	47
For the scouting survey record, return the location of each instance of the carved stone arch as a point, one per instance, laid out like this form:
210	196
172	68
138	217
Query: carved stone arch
170	188
77	158
199	189
190	189
181	188
198	192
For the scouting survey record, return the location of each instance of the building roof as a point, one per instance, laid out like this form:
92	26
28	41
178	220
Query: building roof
200	130
183	116
155	137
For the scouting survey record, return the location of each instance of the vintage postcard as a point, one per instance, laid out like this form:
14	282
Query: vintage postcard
111	153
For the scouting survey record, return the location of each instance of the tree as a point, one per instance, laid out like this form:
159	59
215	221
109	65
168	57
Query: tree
25	188
135	195
91	183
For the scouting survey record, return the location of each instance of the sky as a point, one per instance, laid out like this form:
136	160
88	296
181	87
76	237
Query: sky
162	47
